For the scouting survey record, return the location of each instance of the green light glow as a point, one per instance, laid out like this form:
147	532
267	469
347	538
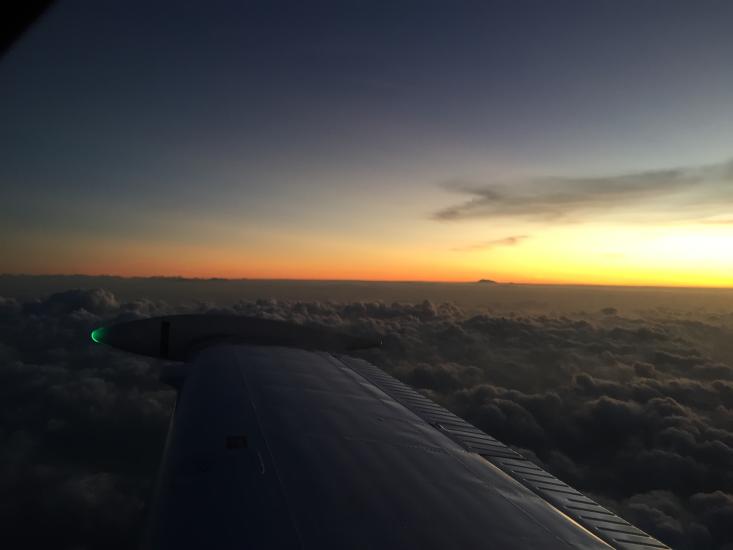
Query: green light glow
97	335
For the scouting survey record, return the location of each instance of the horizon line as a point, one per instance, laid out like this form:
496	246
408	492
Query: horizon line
488	282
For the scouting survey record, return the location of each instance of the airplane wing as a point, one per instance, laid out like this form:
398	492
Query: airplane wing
279	439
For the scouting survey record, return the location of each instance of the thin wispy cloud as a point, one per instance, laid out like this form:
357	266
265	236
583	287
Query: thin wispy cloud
728	221
692	192
488	245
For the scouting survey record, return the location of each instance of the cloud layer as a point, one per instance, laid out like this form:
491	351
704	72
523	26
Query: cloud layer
636	412
685	193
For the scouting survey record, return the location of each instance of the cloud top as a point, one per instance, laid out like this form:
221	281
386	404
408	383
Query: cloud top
637	412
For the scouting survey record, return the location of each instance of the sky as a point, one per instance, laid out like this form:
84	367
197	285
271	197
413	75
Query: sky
551	142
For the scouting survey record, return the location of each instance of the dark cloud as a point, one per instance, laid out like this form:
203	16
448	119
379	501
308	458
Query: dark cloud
80	426
488	245
96	302
689	193
637	412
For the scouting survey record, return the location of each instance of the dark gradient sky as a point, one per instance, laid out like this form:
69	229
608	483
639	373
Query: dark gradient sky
293	139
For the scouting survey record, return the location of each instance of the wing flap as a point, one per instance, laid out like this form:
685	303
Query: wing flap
600	521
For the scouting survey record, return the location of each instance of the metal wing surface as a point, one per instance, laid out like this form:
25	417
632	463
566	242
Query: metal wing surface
281	447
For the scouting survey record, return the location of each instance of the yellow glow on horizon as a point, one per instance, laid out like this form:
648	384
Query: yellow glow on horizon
594	254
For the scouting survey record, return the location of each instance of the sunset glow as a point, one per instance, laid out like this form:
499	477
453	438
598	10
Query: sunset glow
666	256
515	148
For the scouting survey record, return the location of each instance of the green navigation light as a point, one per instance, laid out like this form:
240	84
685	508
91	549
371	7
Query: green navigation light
97	335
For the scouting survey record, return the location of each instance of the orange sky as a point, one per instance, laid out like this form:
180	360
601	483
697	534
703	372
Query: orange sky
678	255
512	147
